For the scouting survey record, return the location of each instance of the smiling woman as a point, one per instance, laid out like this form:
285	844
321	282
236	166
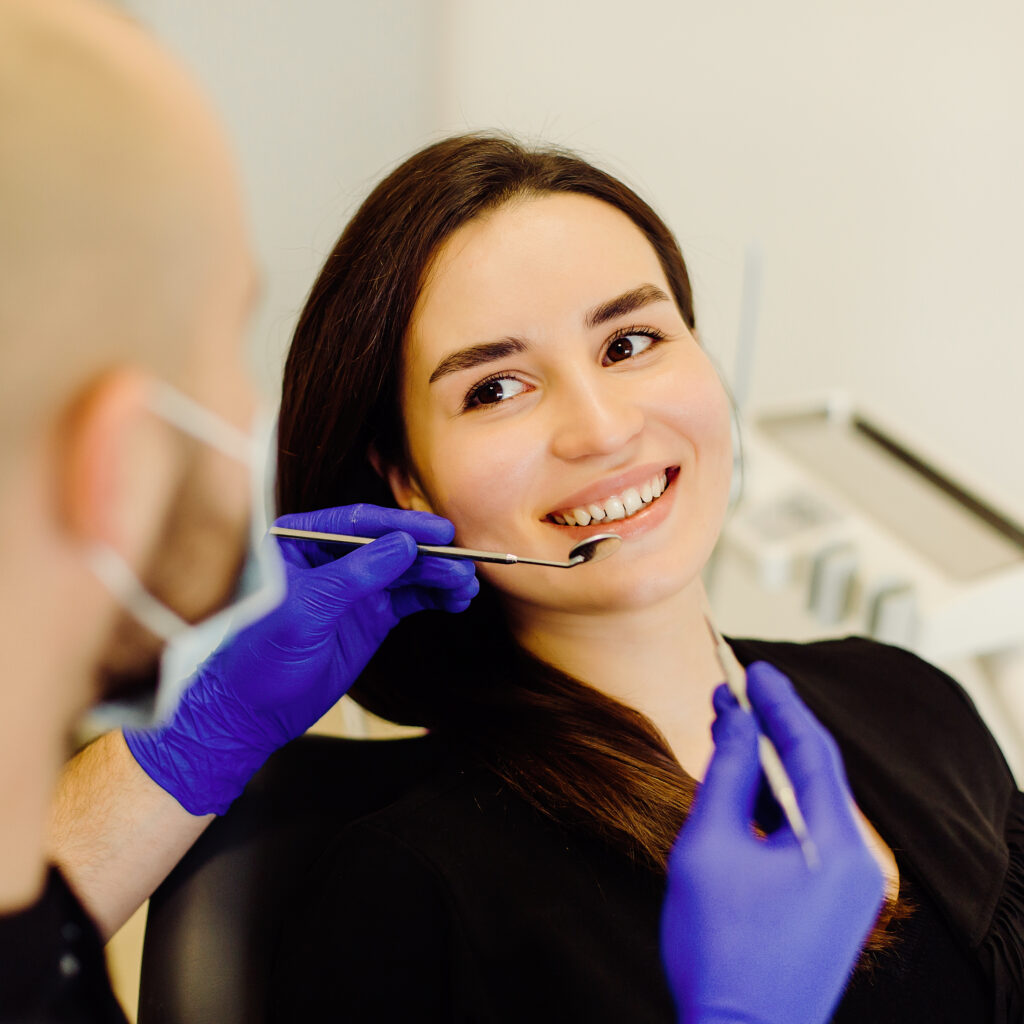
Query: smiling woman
506	337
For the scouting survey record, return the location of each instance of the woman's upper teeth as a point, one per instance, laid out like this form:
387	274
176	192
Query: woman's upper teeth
617	506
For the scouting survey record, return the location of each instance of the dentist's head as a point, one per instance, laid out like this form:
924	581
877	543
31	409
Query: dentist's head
125	276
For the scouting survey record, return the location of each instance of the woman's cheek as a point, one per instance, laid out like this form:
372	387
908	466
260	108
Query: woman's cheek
697	411
700	406
715	448
482	490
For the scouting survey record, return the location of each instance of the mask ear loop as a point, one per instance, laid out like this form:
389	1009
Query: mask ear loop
194	419
120	579
113	571
260	588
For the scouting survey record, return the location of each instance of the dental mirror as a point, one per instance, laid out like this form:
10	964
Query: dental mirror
594	549
591	549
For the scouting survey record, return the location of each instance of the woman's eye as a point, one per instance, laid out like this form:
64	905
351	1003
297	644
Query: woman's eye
627	346
491	392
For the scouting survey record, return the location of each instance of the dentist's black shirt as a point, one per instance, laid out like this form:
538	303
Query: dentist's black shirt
52	969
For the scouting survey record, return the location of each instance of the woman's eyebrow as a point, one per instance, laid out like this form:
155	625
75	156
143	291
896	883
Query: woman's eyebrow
485	352
489	351
627	302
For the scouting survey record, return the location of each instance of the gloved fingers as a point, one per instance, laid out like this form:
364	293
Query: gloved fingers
456	599
373	521
328	590
409	600
808	752
724	703
726	799
444	573
308	554
431	571
360	521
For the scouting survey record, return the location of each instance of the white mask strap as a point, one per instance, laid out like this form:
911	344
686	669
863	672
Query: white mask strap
194	419
120	579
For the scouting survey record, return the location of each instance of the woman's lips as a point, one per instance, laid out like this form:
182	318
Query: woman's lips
616	507
646	518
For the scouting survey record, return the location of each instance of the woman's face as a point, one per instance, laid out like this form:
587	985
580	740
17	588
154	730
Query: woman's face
550	380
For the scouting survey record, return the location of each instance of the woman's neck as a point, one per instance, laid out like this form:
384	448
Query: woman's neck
659	660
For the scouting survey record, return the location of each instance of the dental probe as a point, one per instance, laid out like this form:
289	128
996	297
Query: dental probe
771	763
592	549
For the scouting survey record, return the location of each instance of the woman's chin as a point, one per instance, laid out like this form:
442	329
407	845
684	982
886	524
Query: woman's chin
600	589
630	592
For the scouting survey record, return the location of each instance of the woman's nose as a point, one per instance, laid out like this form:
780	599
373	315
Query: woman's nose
595	417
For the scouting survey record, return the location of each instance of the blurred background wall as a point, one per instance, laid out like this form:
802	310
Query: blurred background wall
319	97
872	152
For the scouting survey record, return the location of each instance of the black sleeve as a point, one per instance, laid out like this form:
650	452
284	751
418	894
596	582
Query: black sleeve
370	938
52	969
1002	949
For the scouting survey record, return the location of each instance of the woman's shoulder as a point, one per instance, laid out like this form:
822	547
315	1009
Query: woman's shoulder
880	694
875	667
911	737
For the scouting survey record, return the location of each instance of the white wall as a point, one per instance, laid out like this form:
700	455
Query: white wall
874	149
319	98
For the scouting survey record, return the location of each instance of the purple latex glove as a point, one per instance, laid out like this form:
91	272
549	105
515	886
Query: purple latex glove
279	676
749	933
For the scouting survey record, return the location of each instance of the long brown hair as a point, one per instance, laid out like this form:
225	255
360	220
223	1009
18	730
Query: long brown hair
575	754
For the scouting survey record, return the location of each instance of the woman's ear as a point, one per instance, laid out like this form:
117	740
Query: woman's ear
404	487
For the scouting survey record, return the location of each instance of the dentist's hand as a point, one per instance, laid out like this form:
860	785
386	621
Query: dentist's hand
749	933
279	676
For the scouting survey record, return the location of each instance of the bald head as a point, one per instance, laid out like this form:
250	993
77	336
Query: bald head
121	235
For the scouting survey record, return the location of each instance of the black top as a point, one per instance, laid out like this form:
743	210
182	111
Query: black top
459	902
52	969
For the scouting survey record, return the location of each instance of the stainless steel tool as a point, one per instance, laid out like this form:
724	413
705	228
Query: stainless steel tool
591	549
771	763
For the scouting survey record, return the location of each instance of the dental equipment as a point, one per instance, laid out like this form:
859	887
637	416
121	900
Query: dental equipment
771	763
591	549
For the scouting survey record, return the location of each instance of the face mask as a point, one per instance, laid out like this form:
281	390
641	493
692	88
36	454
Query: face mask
261	584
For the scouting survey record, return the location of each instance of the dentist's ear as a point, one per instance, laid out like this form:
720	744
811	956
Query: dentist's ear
404	487
120	466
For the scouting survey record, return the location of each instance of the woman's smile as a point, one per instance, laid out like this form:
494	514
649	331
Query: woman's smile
612	500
